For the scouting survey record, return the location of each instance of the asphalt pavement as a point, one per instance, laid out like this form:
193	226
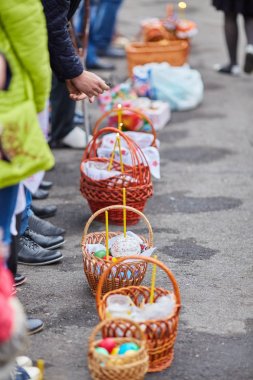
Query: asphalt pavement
201	214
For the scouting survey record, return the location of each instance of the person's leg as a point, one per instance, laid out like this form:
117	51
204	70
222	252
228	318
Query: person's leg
63	110
248	23
12	261
231	36
92	60
26	213
8	199
248	65
105	23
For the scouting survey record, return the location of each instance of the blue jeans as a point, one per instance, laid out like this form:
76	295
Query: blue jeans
8	199
103	15
103	26
27	212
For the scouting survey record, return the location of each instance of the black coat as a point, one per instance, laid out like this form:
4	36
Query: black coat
64	61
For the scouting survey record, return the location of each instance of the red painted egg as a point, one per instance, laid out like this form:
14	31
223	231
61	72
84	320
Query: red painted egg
108	343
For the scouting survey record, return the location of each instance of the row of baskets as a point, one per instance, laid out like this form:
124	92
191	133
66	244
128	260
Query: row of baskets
155	337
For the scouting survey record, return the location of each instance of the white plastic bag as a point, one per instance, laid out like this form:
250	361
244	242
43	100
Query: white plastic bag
181	87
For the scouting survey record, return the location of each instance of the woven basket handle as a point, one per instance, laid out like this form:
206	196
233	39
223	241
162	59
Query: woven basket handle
137	159
143	258
133	110
119	207
102	324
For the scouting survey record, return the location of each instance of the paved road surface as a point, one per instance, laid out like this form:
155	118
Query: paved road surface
202	219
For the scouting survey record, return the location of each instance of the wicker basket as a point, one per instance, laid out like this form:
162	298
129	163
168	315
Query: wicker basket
134	111
103	193
157	33
160	334
126	367
127	274
140	53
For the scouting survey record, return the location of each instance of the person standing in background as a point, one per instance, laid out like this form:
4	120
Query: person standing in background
69	71
103	18
231	9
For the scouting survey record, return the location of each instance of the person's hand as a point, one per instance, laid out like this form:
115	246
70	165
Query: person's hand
2	72
89	84
75	94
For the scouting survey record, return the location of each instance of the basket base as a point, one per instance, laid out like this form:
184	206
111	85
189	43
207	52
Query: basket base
160	365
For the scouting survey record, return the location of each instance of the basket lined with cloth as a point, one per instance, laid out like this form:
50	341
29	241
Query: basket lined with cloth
129	273
102	187
145	139
160	332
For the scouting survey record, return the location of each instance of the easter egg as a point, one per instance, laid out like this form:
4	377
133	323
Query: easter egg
100	254
130	352
125	246
128	347
101	350
108	343
115	351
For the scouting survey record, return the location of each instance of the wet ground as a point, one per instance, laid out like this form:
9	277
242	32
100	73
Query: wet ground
201	215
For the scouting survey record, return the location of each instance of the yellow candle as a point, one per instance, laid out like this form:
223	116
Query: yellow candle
106	235
152	291
120	126
182	6
120	154
119	115
124	211
112	155
41	366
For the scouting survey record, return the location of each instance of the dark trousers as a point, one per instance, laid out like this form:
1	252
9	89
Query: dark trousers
12	261
62	111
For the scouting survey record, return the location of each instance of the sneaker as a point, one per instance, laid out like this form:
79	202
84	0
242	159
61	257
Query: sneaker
248	65
75	139
78	118
23	361
27	373
228	69
19	279
34	326
30	253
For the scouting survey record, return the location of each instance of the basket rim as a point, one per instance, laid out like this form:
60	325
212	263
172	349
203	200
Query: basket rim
172	315
88	179
106	321
119	207
138	157
113	233
133	46
151	260
130	109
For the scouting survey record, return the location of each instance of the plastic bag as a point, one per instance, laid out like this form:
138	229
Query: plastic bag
181	87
